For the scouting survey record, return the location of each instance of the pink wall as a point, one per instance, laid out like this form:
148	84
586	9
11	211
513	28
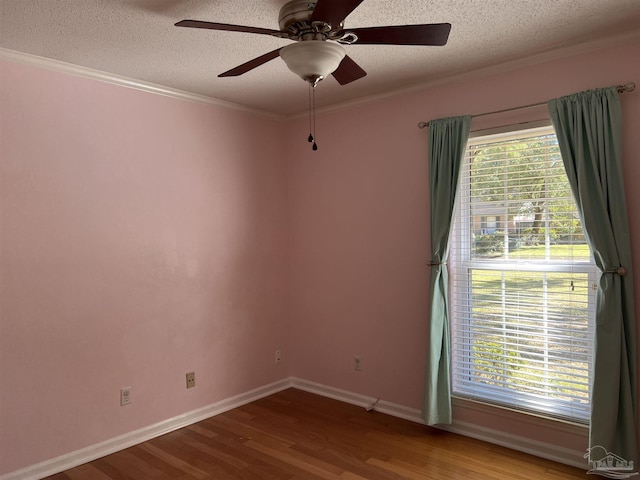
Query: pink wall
360	222
142	237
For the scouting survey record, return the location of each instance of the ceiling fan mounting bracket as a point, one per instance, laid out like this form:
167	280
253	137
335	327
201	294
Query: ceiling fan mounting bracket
295	11
295	18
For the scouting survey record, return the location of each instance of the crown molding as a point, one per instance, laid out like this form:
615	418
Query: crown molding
627	38
472	74
122	81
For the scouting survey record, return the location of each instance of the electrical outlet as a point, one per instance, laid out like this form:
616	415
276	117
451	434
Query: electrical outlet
357	362
191	379
278	357
125	396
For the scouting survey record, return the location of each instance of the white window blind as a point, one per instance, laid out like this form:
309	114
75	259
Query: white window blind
522	280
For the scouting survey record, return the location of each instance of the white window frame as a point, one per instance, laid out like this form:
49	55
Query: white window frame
460	268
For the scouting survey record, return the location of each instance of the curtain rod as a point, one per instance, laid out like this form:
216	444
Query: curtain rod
629	87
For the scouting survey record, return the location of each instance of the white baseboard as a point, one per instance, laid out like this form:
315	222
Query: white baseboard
99	450
381	406
93	452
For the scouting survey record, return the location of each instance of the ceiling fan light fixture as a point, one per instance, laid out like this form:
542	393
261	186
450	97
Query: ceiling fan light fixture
312	60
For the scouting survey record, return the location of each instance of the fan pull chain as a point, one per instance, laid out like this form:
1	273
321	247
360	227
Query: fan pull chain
312	116
310	139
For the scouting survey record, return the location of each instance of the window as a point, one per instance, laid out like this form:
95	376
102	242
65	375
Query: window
522	280
489	224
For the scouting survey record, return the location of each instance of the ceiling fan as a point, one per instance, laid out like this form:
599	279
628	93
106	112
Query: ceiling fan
318	29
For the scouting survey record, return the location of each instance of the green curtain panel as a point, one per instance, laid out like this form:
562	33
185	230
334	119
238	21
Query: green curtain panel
588	126
447	143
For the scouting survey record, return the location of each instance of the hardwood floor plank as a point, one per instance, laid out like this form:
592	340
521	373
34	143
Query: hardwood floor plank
306	463
136	467
252	432
351	476
85	472
294	435
404	470
176	462
113	472
256	463
210	455
198	428
215	451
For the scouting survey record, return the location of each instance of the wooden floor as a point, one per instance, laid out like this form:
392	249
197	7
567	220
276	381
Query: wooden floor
297	435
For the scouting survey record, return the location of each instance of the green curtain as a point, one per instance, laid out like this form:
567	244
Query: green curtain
588	126
447	143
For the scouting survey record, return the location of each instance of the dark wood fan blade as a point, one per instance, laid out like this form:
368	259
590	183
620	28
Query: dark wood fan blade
251	64
435	34
348	71
333	11
230	28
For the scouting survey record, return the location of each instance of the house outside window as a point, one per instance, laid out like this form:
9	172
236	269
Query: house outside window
489	224
522	295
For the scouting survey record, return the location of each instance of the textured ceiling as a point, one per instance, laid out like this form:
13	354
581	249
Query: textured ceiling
137	39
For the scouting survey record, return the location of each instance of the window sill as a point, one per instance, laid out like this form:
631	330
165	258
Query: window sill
511	414
556	440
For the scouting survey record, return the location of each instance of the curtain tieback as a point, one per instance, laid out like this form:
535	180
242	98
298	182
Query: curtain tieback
435	264
616	271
